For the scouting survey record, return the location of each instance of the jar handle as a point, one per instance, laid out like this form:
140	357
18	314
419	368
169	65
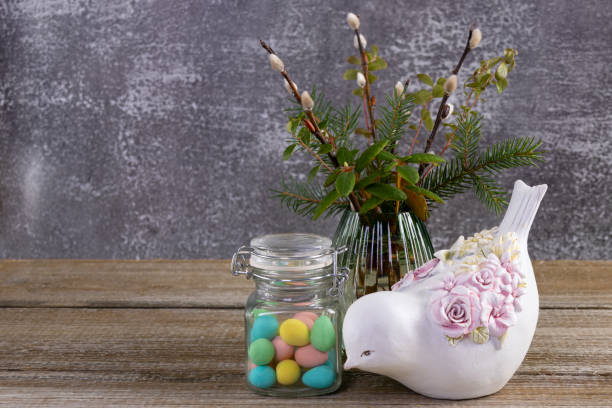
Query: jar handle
239	265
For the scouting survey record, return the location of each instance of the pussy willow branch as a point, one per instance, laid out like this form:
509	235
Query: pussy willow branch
432	135
366	89
450	139
316	130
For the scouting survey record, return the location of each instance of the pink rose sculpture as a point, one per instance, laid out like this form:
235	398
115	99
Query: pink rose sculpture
486	299
457	312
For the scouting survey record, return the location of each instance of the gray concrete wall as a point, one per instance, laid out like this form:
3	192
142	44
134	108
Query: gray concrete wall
154	129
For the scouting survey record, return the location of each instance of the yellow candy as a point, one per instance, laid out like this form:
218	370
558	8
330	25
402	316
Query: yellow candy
287	372
294	332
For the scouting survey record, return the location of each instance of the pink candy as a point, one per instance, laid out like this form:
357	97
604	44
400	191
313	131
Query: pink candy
308	318
282	350
308	356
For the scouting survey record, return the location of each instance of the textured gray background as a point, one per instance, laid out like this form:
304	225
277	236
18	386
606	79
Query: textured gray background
154	129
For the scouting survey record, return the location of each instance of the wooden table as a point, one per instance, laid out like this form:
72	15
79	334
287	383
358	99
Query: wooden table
144	333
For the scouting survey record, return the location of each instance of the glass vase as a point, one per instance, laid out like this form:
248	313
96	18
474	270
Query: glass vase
381	249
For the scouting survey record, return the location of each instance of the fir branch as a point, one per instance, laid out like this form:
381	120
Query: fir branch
466	138
303	198
487	190
396	114
455	178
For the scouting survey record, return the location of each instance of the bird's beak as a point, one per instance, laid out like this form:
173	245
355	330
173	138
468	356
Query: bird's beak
348	365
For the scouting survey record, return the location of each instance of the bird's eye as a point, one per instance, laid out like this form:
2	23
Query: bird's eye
367	353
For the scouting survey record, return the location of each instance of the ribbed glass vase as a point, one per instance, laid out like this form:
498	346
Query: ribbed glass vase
381	249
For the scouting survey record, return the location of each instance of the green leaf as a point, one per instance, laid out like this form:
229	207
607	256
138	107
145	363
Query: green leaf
438	91
345	155
353	59
345	183
369	154
288	151
377	64
325	203
358	91
423	158
502	71
387	156
429	123
492	62
370	204
374	49
366	181
426	79
313	173
408	173
350	74
426	193
325	148
386	192
304	136
482	80
331	178
441	81
372	78
422	96
501	85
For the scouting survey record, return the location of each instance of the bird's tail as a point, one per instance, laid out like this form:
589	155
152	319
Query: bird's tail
522	209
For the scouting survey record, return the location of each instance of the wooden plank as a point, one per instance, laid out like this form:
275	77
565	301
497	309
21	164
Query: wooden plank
208	283
190	357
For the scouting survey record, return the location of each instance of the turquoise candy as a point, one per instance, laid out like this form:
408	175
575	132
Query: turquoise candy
262	376
319	377
264	327
323	335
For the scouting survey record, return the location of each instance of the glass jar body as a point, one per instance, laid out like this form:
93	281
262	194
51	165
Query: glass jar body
299	323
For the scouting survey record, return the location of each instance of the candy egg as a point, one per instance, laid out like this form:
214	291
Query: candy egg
262	376
319	377
264	327
282	350
294	332
323	335
287	372
261	351
309	357
307	317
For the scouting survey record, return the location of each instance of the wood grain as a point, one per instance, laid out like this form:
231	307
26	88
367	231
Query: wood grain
170	333
189	357
208	283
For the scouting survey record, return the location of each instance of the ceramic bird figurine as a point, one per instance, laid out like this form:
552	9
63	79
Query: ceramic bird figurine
459	326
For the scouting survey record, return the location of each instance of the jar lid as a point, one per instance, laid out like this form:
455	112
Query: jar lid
291	252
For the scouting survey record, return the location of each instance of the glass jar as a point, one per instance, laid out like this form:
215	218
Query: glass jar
292	319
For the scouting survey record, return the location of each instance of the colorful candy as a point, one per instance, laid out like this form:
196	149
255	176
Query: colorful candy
308	356
261	351
262	376
301	346
307	317
319	377
294	332
323	335
264	327
282	350
287	372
